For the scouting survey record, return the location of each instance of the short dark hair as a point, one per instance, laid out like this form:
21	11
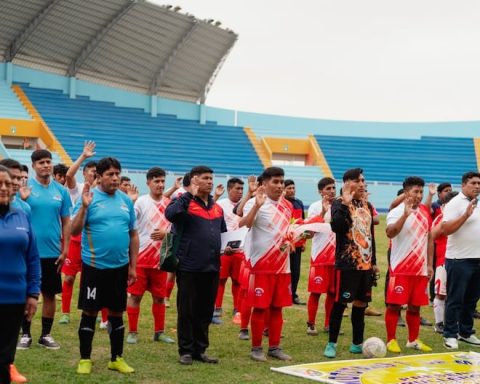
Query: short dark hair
186	180
40	154
199	170
449	196
90	164
270	172
4	169
106	163
233	181
469	175
155	172
289	182
60	169
442	186
124	178
413	181
24	168
400	191
324	182
352	174
11	164
259	179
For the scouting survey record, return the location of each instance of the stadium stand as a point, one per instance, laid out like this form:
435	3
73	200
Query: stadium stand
306	172
10	106
140	140
390	160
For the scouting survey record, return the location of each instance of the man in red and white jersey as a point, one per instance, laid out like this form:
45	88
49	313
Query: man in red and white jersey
268	216
322	262
408	225
231	260
152	227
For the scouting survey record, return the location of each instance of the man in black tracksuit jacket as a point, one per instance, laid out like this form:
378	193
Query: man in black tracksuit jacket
198	224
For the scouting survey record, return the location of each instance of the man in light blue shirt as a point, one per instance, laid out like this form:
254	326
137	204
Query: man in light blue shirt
15	169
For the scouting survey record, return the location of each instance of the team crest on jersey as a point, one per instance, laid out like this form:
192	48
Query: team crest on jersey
21	228
57	198
259	292
317	280
399	289
346	295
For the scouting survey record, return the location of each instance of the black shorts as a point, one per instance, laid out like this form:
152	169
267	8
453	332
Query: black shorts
51	279
103	288
353	285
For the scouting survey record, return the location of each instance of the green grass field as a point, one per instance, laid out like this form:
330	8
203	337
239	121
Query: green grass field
158	362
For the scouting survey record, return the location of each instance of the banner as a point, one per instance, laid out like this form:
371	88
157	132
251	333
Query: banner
451	367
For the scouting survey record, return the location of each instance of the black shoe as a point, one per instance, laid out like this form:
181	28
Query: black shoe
204	358
425	322
186	359
476	315
297	301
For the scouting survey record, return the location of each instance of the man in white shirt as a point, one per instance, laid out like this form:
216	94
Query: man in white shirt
461	223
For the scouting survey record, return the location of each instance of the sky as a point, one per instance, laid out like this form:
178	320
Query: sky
373	60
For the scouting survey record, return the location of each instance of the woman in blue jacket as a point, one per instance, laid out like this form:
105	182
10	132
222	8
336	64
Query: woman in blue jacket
19	274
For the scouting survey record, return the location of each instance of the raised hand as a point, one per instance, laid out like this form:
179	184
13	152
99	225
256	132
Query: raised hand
89	149
220	190
132	192
178	182
470	208
347	194
432	189
25	192
87	195
408	205
325	206
252	184
260	196
194	186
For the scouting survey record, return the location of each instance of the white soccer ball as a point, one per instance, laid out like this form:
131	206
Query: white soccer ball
374	347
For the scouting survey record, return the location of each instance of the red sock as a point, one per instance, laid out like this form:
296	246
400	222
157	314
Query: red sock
235	293
275	327
158	311
391	319
257	324
246	312
220	292
67	290
133	314
413	323
329	301
312	307
104	315
170	285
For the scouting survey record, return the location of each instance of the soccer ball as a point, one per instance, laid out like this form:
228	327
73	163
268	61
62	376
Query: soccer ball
374	347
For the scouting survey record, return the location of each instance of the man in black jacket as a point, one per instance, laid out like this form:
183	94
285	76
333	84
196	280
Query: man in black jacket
198	224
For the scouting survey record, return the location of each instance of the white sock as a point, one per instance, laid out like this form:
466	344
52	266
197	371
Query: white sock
439	310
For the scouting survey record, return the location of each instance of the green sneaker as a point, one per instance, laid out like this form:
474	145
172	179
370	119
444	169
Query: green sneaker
120	365
132	338
160	336
84	367
330	350
354	348
64	319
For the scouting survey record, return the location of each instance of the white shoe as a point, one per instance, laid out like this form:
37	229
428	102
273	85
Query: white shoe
472	339
103	324
450	342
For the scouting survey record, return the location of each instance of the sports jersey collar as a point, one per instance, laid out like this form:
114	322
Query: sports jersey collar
34	179
463	196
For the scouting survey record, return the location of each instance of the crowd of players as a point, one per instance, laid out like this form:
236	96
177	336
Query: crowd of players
119	241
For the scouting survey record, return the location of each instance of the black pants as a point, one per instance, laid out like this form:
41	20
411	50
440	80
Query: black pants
10	322
196	293
295	261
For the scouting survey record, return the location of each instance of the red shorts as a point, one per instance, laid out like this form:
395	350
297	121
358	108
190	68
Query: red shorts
73	262
266	290
230	266
322	279
244	275
411	290
149	279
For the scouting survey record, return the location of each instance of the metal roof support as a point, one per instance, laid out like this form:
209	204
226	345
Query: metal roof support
203	94
87	50
26	32
159	75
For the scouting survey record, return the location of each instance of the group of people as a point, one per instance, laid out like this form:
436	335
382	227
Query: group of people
121	242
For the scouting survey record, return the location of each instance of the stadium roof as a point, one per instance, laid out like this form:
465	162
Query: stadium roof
132	44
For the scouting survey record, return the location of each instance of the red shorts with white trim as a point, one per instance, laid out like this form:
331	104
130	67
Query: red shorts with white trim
73	261
412	290
269	290
230	266
321	279
441	280
149	279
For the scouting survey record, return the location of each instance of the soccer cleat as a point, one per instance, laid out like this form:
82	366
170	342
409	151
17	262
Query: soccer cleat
418	345
277	353
132	338
476	315
216	320
64	319
472	340
450	342
237	318
438	328
15	376
160	336
84	367
257	354
311	330
392	346
330	350
218	312
355	348
243	334
25	342
47	341
103	324
120	365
